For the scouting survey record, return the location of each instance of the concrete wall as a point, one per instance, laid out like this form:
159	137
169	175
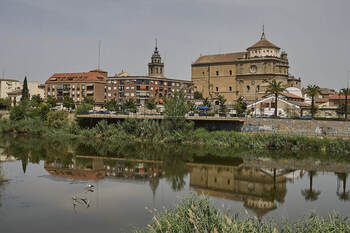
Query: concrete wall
298	127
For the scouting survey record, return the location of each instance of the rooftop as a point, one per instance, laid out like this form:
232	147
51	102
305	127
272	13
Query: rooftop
216	58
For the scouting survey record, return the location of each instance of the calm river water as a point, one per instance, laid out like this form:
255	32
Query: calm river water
47	185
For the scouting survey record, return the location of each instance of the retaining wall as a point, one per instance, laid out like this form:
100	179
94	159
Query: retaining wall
298	127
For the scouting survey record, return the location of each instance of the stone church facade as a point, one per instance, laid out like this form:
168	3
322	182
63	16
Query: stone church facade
243	74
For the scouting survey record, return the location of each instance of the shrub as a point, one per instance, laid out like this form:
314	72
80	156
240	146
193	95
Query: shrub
84	108
57	119
196	214
18	112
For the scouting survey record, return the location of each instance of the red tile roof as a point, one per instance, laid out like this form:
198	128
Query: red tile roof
85	77
216	58
290	95
263	44
338	97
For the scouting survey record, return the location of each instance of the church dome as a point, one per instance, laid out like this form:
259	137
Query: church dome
263	43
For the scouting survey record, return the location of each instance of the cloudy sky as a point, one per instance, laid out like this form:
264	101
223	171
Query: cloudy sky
41	37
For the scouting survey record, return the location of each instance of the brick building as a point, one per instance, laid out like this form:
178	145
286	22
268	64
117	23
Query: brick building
121	86
77	85
245	74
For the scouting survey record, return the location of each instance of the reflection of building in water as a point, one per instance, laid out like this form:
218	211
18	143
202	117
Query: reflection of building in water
260	190
90	169
98	168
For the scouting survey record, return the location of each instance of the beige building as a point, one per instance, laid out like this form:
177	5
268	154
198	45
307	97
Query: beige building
245	74
8	85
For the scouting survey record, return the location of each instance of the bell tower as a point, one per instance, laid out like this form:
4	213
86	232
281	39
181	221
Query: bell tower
156	67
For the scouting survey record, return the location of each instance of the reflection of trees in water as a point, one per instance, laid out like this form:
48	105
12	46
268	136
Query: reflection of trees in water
344	195
310	194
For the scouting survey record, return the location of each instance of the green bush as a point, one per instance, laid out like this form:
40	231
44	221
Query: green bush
57	119
196	214
84	108
18	112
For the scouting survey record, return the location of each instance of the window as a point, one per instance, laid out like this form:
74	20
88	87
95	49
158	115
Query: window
230	88
217	73
230	72
258	88
248	88
217	89
115	88
109	88
132	88
132	94
203	73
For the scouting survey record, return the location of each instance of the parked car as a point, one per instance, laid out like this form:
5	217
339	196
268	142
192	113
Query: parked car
308	117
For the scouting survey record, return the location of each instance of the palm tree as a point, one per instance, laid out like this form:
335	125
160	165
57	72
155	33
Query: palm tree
345	195
346	93
312	91
310	194
275	88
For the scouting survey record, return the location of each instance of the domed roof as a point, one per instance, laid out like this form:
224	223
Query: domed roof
263	43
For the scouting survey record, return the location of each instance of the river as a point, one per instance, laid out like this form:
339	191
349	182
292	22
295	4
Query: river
47	185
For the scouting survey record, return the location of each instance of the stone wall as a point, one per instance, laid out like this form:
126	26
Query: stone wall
298	127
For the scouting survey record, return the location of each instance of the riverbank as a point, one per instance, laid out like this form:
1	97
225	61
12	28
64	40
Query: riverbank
162	134
196	214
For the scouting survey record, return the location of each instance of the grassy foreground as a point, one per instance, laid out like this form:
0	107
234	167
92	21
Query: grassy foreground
195	214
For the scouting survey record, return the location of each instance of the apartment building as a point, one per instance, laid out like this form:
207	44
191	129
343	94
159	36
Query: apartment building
77	86
8	85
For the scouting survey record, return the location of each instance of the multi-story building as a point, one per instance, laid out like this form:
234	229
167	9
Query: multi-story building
243	74
123	86
77	86
8	85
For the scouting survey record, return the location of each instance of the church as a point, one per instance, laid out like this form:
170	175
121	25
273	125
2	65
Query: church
242	74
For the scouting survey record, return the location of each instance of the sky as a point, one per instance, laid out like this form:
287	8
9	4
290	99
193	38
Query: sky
42	37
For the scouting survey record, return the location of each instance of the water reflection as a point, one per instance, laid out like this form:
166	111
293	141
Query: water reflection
260	185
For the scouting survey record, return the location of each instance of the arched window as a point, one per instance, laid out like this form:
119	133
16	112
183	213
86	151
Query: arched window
230	88
248	88
230	72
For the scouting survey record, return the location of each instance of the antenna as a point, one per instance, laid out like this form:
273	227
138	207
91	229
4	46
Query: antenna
99	54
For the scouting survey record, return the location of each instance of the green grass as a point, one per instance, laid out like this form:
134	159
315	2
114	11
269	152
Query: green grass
151	132
196	214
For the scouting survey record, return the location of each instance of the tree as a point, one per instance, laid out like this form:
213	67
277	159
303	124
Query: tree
5	103
151	104
51	101
240	106
18	112
312	91
36	100
111	105
57	119
88	100
68	102
310	194
25	91
130	105
344	195
222	106
207	103
175	110
275	88
346	93
341	110
192	106
83	108
198	95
